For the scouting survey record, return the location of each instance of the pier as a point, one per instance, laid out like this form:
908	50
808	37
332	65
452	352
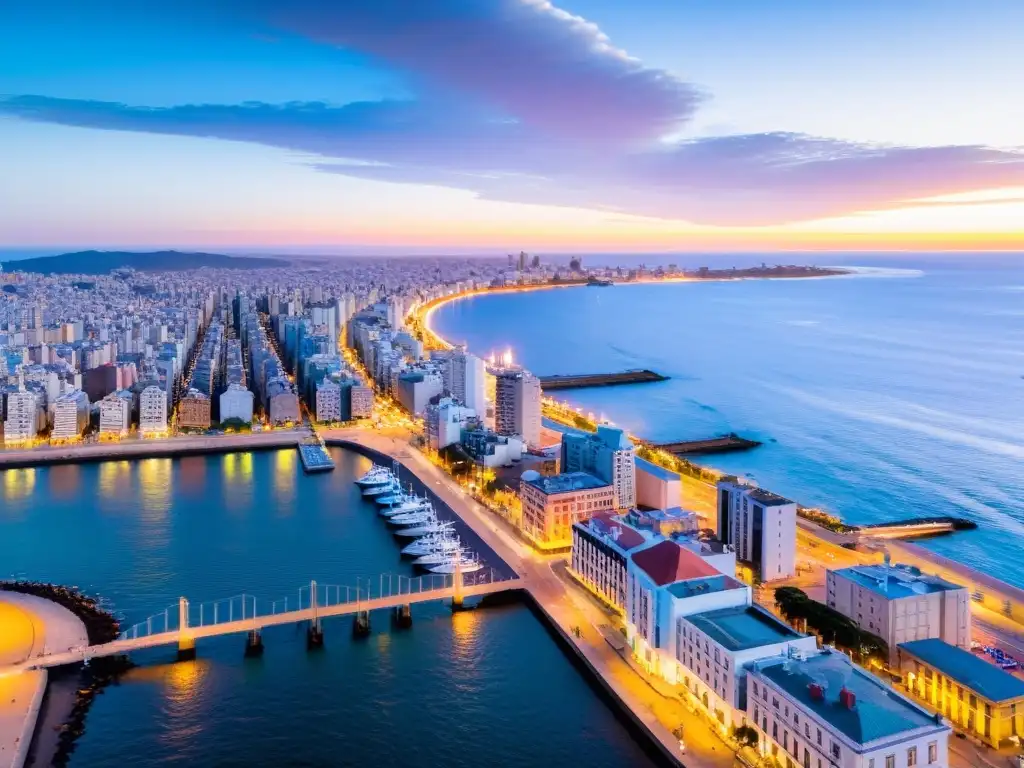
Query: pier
315	457
916	528
720	444
584	380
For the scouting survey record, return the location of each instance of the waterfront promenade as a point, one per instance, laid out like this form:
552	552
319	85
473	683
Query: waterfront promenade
138	448
32	626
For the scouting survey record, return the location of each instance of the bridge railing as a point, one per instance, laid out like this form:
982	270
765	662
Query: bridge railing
248	607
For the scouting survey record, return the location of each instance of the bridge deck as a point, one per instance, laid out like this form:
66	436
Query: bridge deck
259	622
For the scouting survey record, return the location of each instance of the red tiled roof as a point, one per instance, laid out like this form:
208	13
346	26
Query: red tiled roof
667	563
628	537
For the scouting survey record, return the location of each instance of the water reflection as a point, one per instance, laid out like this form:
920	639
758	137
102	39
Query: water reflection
284	480
114	478
154	523
193	473
64	479
19	483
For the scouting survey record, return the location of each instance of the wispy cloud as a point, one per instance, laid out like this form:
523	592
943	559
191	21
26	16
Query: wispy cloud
520	101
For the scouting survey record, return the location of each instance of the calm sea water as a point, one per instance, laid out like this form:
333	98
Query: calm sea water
894	394
487	687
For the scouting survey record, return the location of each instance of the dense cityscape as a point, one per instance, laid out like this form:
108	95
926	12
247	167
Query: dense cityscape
878	669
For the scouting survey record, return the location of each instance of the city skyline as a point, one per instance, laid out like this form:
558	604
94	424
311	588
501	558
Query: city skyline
580	126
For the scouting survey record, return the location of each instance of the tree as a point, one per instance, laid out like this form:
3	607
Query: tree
746	736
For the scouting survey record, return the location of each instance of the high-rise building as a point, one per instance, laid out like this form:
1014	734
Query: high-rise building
465	379
152	411
517	404
116	414
608	454
761	525
194	411
362	402
236	402
444	422
328	401
70	415
23	417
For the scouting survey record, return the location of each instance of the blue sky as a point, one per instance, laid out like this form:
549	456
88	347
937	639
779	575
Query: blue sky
511	123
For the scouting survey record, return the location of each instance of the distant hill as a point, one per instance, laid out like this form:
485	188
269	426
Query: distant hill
102	262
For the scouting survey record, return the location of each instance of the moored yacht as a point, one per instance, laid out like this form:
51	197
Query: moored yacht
392	486
434	526
408	508
419	517
377	475
431	545
464	562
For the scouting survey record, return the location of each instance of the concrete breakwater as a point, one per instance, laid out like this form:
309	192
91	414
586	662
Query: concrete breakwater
584	380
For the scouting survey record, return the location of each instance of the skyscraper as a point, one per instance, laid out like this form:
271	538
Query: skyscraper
466	375
517	404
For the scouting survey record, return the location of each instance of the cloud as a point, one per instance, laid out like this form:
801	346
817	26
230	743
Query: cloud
526	59
750	180
517	100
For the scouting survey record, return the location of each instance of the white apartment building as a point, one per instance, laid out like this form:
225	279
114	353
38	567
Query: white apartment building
284	408
152	411
362	402
657	487
236	402
822	711
600	552
517	404
70	415
444	422
900	604
328	401
115	415
23	417
465	378
415	389
761	526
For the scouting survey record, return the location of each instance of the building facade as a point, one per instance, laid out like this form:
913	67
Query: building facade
194	411
552	504
236	402
362	402
115	415
825	711
328	401
517	404
445	421
23	417
152	412
761	526
656	487
600	551
900	604
607	454
70	415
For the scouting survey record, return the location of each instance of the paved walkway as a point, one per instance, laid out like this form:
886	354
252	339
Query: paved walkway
29	626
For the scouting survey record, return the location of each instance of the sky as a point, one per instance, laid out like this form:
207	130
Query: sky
495	125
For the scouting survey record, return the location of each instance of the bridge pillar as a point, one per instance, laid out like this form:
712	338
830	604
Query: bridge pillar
315	631
402	617
361	624
457	584
254	643
186	640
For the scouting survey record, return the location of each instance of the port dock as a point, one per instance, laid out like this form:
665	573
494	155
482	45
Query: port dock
583	380
720	444
315	457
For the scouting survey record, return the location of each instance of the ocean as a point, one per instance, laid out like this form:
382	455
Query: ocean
896	392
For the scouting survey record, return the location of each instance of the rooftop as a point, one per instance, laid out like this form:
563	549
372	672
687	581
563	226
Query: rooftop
565	482
661	473
608	524
879	712
667	563
767	497
986	680
896	581
704	586
742	627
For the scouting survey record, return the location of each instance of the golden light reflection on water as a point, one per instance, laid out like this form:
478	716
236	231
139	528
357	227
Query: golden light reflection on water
465	636
155	482
284	479
114	478
183	688
18	483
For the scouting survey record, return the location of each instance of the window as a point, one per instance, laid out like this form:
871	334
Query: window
755	686
933	752
890	761
835	751
819	737
912	757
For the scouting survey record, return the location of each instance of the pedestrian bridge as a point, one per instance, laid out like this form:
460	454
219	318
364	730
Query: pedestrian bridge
184	623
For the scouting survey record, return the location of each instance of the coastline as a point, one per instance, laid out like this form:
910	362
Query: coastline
997	599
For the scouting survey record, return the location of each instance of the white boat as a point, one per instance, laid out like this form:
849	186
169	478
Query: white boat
432	559
392	486
377	475
465	563
391	498
409	507
431	544
415	531
420	517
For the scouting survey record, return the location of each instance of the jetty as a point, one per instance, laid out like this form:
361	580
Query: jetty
583	380
720	444
315	457
916	528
